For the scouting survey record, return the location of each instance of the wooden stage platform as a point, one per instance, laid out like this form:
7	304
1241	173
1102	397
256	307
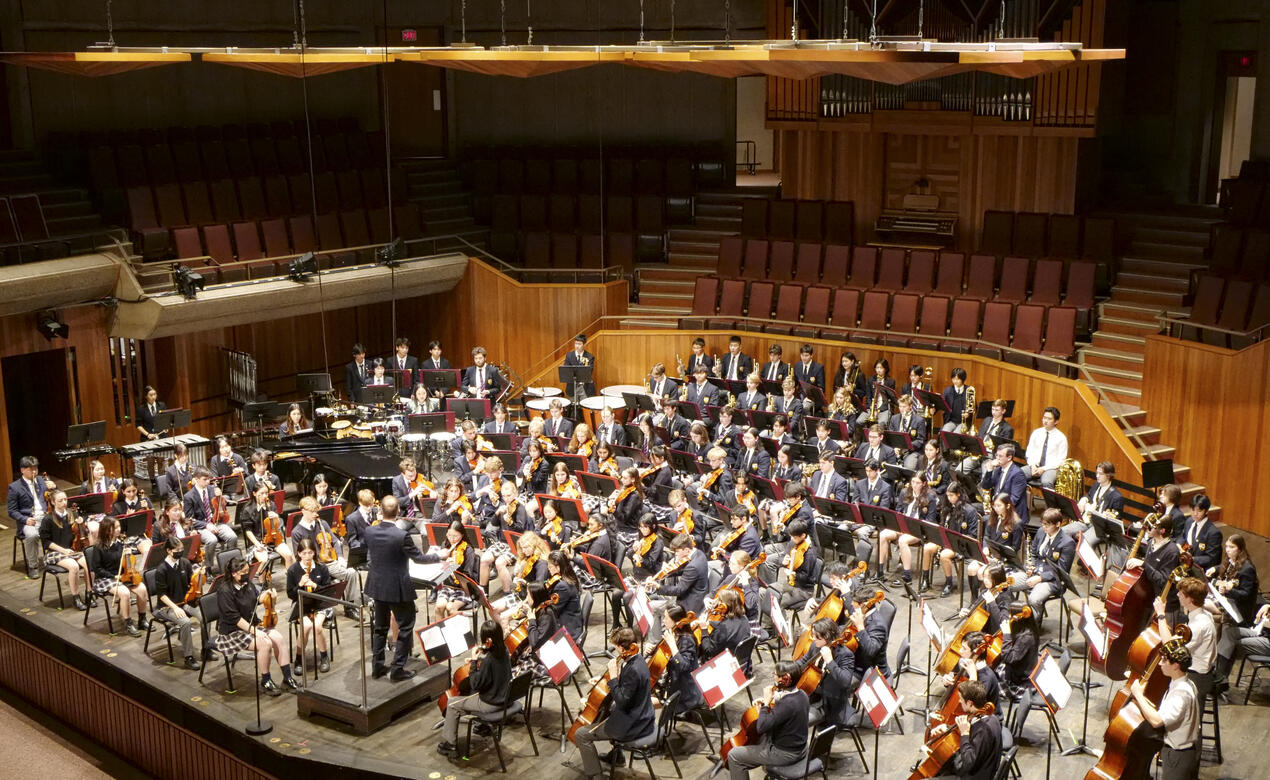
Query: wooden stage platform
407	747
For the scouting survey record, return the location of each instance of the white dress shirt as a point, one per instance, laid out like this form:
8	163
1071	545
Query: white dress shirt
1055	448
1180	712
1203	644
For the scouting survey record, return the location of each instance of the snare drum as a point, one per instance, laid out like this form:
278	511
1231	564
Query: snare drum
396	425
593	406
542	392
537	407
441	437
615	391
413	442
340	425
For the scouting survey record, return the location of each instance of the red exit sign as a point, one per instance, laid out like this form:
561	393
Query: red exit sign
409	36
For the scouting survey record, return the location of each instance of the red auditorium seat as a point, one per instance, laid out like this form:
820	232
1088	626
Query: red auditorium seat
1014	272
561	216
891	269
807	263
264	155
921	271
349	185
171	210
537	250
620	172
1253	260
215	166
186	243
301	187
1234	311
995	329
837	259
705	295
589	218
998	233
873	316
533	213
247	240
1028	325
1064	236
538	175
758	306
1047	282
564	175
216	242
1099	240
964	324
564	250
620	215
380	230
730	250
590	176
591	250
277	196
303	237
251	197
225	201
780	219
952	269
1060	335
932	324
789	305
809	220
840	222
291	159
353	226
754	266
846	308
328	194
406	221
152	239
504	214
159	162
276	242
1080	285
781	263
903	320
198	206
328	232
1029	234
336	151
815	311
754	217
238	153
981	282
864	267
132	167
141	215
732	298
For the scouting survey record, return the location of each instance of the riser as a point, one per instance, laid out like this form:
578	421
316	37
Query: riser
662	287
1110	362
1140	265
1123	397
1153	282
1161	299
694	261
1109	340
1181	253
1124	310
723	224
1158	452
1130	415
1172	237
679	304
1145	434
693	247
686	276
1127	328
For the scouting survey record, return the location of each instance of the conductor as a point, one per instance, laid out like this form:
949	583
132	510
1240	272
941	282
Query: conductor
388	583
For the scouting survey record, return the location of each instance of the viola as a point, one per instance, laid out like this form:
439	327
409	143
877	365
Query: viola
943	747
830	608
270	602
198	580
326	547
220	510
594	706
337	523
272	529
129	568
721	549
975	621
79	527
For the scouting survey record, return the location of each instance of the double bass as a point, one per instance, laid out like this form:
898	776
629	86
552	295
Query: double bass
1128	606
597	699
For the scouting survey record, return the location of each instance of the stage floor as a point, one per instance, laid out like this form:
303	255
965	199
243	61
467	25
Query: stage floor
407	747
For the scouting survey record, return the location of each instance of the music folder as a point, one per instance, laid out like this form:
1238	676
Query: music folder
601	485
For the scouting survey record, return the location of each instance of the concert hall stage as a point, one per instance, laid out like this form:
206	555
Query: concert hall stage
162	719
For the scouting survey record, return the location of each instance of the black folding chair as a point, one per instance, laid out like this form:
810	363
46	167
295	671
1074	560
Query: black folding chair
517	708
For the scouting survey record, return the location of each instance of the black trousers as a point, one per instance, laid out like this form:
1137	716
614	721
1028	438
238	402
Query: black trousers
404	612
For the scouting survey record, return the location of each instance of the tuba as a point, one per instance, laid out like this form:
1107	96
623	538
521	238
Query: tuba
968	413
928	375
1070	481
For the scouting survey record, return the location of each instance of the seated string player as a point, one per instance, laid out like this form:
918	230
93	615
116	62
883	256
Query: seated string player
171	585
198	507
782	726
330	547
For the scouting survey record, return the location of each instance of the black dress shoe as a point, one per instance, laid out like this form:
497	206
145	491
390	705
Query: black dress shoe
192	663
379	671
401	674
446	749
352	613
79	604
290	684
324	665
270	688
949	589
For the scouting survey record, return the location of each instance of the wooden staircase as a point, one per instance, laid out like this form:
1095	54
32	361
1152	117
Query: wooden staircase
436	185
1154	277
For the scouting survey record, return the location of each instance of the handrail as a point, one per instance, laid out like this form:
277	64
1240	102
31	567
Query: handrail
1169	322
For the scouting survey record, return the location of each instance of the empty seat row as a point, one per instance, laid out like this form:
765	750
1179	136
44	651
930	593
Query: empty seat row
1236	251
148	136
530	172
876	317
1031	234
1230	304
546	249
1013	279
830	222
1244	199
565	213
24	233
251	240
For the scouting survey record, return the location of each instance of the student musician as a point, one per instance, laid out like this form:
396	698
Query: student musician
731	630
605	461
717	483
553	527
130	499
198	507
698	441
1236	579
609	431
1178	714
648	551
1046	449
822	440
743	536
310	574
1171	497
180	473
849	377
917	501
260	473
595	539
743	496
831	703
239	628
994	425
873	405
1019	651
956	514
909	420
434	361
582	442
488	492
735	365
543	624
172	523
403	363
1158	562
1202	645
526	564
677	427
171	584
108	564
785	469
366	514
789	405
826	482
355	373
1052	551
873	630
1005	477
808	371
700	391
979	754
535	471
1204	538
955	399
933	465
782	724
1102	498
753	459
659	472
295	423
661	387
563	582
774	370
562	482
631	712
752	399
378	373
481	380
916	381
489	681
1003	527
689	585
973	665
626	505
696	357
311	526
579	356
27	504
557	425
147	410
452	597
996	605
420	402
410	487
98	481
677	678
873	448
794	581
498	423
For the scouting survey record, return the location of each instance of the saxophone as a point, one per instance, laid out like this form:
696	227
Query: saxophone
873	403
967	414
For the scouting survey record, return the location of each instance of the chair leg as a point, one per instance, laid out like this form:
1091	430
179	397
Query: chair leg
229	677
532	741
1252	682
502	765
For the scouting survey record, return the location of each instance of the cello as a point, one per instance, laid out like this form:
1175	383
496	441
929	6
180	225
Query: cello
944	745
1128	604
597	699
975	621
830	608
459	686
1143	656
747	729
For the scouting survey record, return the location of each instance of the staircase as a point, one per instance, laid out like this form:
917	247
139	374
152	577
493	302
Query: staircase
1154	277
435	184
68	210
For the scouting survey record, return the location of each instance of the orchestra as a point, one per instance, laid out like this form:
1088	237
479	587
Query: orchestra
714	540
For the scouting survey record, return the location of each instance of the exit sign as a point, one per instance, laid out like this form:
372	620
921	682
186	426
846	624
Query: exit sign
409	36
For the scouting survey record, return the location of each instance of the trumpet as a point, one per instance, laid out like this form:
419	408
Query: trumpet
718	367
874	403
771	404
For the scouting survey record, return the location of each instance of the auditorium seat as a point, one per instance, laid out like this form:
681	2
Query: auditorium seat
964	324
217	244
504	213
275	234
131	165
277	196
649	176
994	329
981	281
1060	337
620	175
101	168
238	153
329	235
758	309
533	213
187	243
732	298
171	210
780	219
1098	242
511	176
291	158
1047	282
921	272
537	250
1255	257
142	221
1064	236
1234	311
789	305
815	311
564	176
620	214
328	194
650	228
1014	273
537	175
564	250
807	263
215	166
247	240
1029	234
300	186
1208	296
1246	195
998	233
932	324
264	155
1079	292
353	227
846	308
873	317
891	269
225	201
406	222
1028	323
903	320
808	220
730	251
561	213
754	218
781	262
754	264
621	251
375	187
303	236
952	268
590	176
837	259
251	198
159	164
840	222
1225	248
705	296
349	186
864	261
380	230
678	191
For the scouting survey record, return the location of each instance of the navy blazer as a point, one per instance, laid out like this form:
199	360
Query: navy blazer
493	381
194	508
611	434
749	402
703	396
1206	543
745	365
20	502
552	427
1015	487
389	548
873	639
691	585
491	426
1060	554
631	715
178	479
886	453
839	490
792	409
145	419
812	375
956	403
1112	499
670	388
569	609
391	364
571	359
1005	430
353	380
881	494
828	445
838	684
961	518
782	371
916	428
756	462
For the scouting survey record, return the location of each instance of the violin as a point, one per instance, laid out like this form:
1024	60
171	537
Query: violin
337	523
670	568
220	510
272	529
747	730
198	580
326	546
591	710
943	746
796	557
79	527
129	568
621	496
270	602
721	549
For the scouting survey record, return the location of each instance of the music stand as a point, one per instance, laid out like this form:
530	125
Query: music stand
155	557
626	451
837	428
1110	531
839	512
766	488
430	423
89	504
379	394
510	459
313	384
1062	503
133	525
770	387
932	400
685	462
963	442
569	509
600	485
572	461
86	433
689	410
762	419
501	441
805	453
577	377
1005	552
984	409
475	409
638	402
849	467
611	581
439	381
816	394
171	419
1157	473
659	494
771	446
898	440
635	435
897	473
403	380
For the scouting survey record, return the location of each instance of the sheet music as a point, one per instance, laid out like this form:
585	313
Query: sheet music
932	627
1049	680
429	572
1090	557
1095	636
1225	604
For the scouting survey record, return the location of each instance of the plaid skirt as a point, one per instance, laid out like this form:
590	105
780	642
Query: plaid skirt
235	642
104	585
53	558
498	549
451	593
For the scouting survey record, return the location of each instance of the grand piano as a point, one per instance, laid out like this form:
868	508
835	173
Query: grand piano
366	462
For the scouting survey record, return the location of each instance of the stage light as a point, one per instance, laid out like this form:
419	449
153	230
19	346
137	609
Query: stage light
304	266
390	253
187	282
50	326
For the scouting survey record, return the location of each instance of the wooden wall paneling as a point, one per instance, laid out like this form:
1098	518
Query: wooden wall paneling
1210	404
